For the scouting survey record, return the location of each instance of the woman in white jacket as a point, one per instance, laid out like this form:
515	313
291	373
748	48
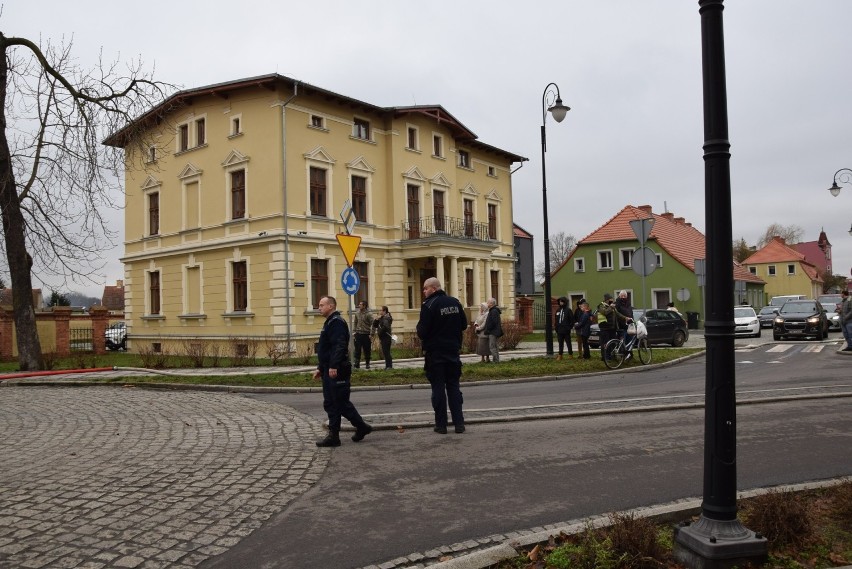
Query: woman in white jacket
481	337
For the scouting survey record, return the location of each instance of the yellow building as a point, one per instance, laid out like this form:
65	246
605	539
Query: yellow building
233	204
784	270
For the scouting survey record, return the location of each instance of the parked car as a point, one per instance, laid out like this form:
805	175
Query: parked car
746	321
116	336
831	303
800	318
767	315
664	327
780	300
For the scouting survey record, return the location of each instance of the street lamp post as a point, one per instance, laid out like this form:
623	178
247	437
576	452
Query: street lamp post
845	177
558	110
718	539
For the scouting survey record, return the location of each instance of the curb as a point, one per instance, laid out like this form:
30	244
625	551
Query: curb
507	547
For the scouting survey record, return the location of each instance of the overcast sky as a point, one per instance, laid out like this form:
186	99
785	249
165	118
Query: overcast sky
629	70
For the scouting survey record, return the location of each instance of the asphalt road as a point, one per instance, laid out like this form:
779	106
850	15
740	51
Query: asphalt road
414	491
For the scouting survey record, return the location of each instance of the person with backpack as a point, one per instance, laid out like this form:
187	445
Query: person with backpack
563	323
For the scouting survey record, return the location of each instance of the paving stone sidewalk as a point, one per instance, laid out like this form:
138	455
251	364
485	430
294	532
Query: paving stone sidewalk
106	477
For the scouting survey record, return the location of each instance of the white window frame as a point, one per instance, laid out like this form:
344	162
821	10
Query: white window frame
356	129
579	264
229	284
192	141
791	270
599	255
321	118
443	150
416	129
185	296
236	162
359	167
464	159
626	260
236	126
153	269
771	271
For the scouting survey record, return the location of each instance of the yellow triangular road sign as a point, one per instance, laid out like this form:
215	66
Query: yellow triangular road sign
349	245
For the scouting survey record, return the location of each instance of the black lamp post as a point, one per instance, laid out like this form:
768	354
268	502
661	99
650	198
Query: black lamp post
845	178
718	539
559	111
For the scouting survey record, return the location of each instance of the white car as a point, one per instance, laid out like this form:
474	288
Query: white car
746	322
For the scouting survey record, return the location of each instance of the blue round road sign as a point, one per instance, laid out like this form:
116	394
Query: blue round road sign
350	281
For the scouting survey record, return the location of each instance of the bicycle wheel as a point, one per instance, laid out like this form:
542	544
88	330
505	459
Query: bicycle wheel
644	351
614	353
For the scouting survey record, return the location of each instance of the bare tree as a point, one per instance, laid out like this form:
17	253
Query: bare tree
791	234
561	245
56	178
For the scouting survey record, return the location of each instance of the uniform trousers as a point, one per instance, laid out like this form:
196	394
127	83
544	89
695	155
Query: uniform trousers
444	379
335	402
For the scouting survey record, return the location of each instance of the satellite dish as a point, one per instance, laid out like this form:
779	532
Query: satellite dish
683	294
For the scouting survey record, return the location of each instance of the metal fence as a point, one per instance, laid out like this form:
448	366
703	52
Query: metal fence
80	340
538	316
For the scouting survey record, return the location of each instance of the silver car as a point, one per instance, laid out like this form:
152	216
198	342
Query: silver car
831	303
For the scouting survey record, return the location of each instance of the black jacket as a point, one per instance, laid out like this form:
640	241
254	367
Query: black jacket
563	320
493	323
333	345
624	311
442	323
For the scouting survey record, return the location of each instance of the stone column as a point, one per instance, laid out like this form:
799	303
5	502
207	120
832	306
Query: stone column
62	322
439	271
477	283
454	277
7	331
100	322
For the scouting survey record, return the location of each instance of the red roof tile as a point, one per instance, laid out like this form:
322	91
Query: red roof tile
520	231
113	297
673	234
777	251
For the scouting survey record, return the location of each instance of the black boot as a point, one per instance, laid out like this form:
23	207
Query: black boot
332	439
362	431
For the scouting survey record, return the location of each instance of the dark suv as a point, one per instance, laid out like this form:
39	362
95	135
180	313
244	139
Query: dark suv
800	318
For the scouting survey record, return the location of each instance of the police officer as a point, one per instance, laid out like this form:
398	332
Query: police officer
442	323
335	370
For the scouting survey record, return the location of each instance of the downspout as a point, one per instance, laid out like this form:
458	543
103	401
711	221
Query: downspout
287	288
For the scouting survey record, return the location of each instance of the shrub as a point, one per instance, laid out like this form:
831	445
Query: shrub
634	541
782	516
153	358
409	346
195	351
276	349
513	333
243	351
469	341
50	359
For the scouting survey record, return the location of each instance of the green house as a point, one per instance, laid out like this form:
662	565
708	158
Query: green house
603	262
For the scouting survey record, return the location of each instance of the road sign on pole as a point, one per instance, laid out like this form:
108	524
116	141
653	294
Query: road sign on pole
349	245
350	281
347	215
642	229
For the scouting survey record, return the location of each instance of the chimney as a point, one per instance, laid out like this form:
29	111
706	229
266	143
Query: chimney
119	282
668	215
646	209
680	220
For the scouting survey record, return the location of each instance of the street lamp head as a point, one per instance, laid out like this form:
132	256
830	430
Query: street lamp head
834	189
850	230
558	110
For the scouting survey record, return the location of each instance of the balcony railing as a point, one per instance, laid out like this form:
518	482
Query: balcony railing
443	226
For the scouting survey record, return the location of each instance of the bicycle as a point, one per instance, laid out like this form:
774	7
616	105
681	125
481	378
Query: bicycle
617	349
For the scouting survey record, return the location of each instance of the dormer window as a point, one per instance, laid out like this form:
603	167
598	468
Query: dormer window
464	159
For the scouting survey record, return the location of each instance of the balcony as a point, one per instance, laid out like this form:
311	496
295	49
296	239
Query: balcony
445	227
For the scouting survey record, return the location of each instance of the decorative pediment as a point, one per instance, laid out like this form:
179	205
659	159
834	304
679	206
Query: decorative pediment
414	173
189	171
493	195
361	163
235	157
320	154
469	190
440	180
150	183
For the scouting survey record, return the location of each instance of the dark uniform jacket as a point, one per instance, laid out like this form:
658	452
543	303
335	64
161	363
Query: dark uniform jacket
442	323
333	345
563	320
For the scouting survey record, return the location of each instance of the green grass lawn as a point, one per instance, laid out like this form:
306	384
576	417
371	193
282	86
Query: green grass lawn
523	367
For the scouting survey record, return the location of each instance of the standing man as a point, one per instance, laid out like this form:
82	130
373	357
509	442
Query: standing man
363	324
846	319
563	323
383	325
606	323
442	323
335	370
493	329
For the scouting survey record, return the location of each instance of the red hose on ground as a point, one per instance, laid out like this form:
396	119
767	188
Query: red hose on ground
51	372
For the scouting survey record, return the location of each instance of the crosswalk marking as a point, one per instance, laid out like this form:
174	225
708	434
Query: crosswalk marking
780	348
